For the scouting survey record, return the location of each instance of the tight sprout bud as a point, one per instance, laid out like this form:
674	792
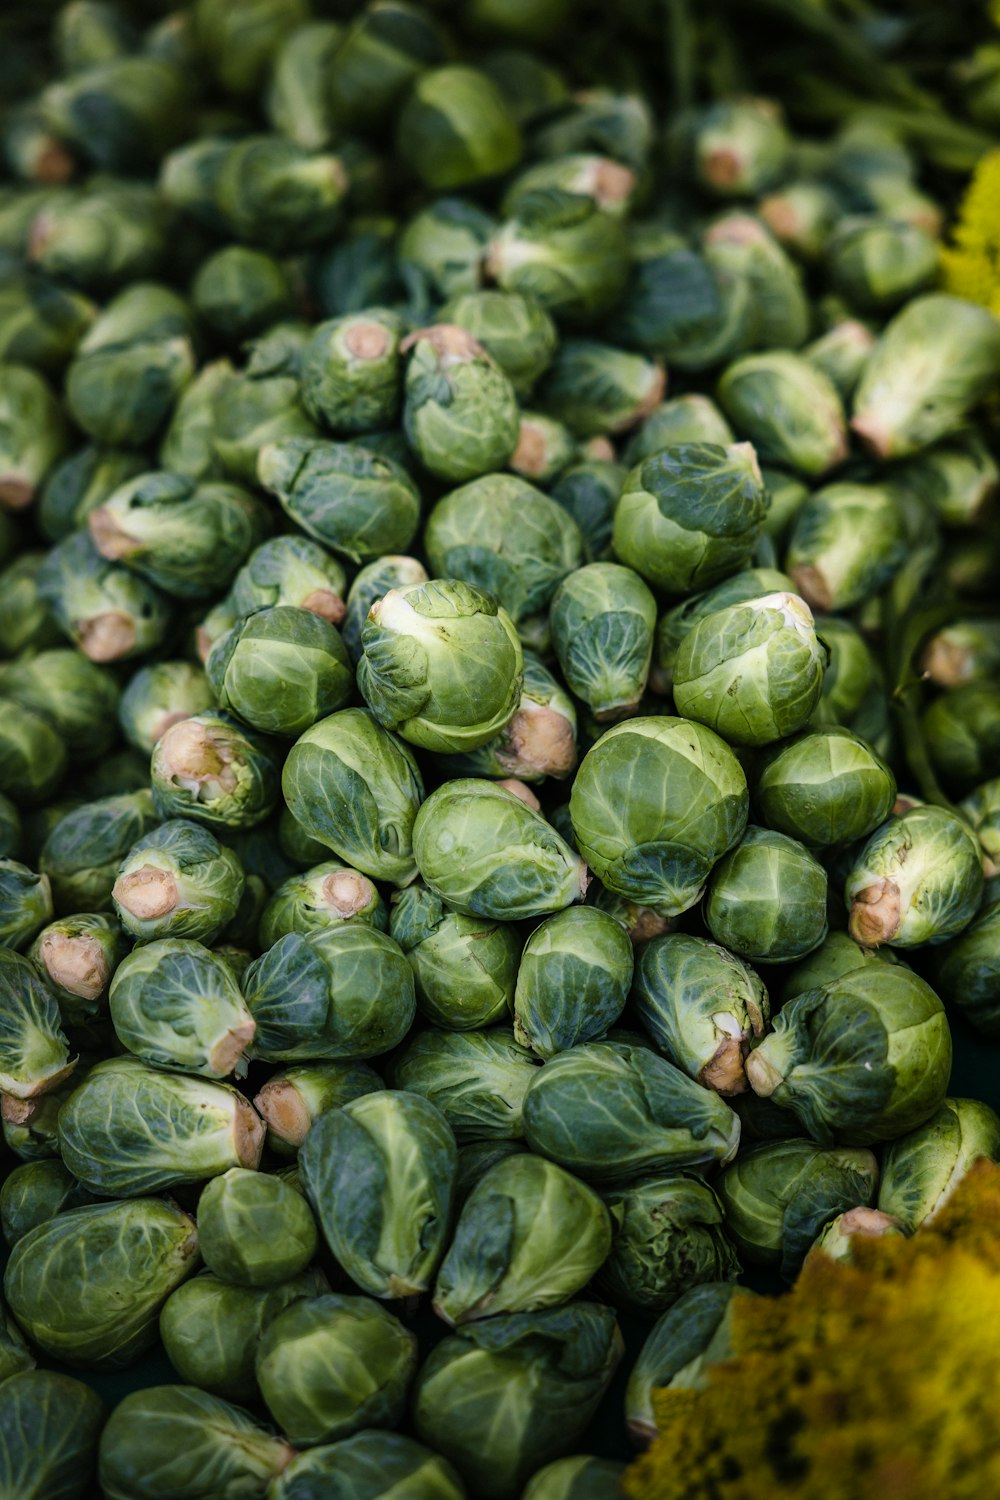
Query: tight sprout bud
788	409
573	980
159	696
322	897
296	1096
681	307
78	956
544	447
455	129
841	354
178	881
290	570
77	696
385	48
919	879
740	147
33	754
800	215
253	1229
596	388
25	620
602	619
460	412
464	968
847	542
877	263
108	612
767	899
280	670
564	251
25	903
211	769
351	372
84	850
41	325
515	330
776	314
961	729
825	788
958	478
238	292
669	1237
967	971
538	741
177	1005
441	252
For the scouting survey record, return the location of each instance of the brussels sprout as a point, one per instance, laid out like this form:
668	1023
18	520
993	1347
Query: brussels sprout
918	880
351	371
210	768
801	215
41	325
32	754
684	419
385	48
290	570
669	1237
529	1236
588	491
875	262
460	411
967	971
552	1368
25	621
295	1097
752	671
777	312
865	1058
477	1079
130	1129
35	1192
119	113
280	670
79	697
322	897
188	445
841	354
788	409
50	1425
518	333
109	613
502	535
25	903
846	543
159	696
296	98
127	1256
739	147
177	1440
767	899
327	1366
176	1005
487	854
83	852
113	233
30	1126
602	618
254	411
563	250
962	651
538	741
356	788
684	1341
441	252
370	1464
350	499
186	538
34	1054
681	307
702	1006
573	980
379	1172
653	836
957	478
931	366
464	968
650	1118
690	515
921	1170
455	130
595	388
178	882
777	1197
372	582
962	732
544	447
341	992
238	292
253	1229
826	787
33	434
619	125
211	1328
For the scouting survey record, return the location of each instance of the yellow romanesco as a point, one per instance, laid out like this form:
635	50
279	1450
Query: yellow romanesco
971	266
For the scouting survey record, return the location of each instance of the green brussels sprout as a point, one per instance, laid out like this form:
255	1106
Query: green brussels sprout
836	955
460	411
178	1440
681	307
967	971
918	880
83	852
329	1365
441	253
776	310
33	754
921	1170
777	1196
603	617
127	1256
25	903
356	788
502	535
78	956
379	1172
108	612
487	854
464	968
839	1240
296	99
788	409
188	445
342	991
573	980
961	730
159	696
79	697
767	899
10	828
529	1236
853	691
847	542
385	48
211	769
702	1007
132	366
477	1079
373	582
119	114
691	418
114	233
588	491
875	262
50	1426
253	411
293	1098
669	1237
178	881
176	1005
517	332
866	1058
41	324
683	1343
619	125
238	292
544	448
577	1478
931	366
801	215
957	478
531	85
595	388
360	270
25	621
253	1229
753	671
290	570
825	787
552	1368
34	1192
33	434
351	371
652	835
322	897
739	147
130	1129
238	44
841	354
962	651
690	515
538	741
455	130
441	664
371	1463
563	250
350	499
280	669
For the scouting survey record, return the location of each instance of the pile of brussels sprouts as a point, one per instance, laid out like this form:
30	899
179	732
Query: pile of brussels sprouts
487	836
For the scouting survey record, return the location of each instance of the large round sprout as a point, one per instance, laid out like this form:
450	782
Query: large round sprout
670	1236
825	788
254	1229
